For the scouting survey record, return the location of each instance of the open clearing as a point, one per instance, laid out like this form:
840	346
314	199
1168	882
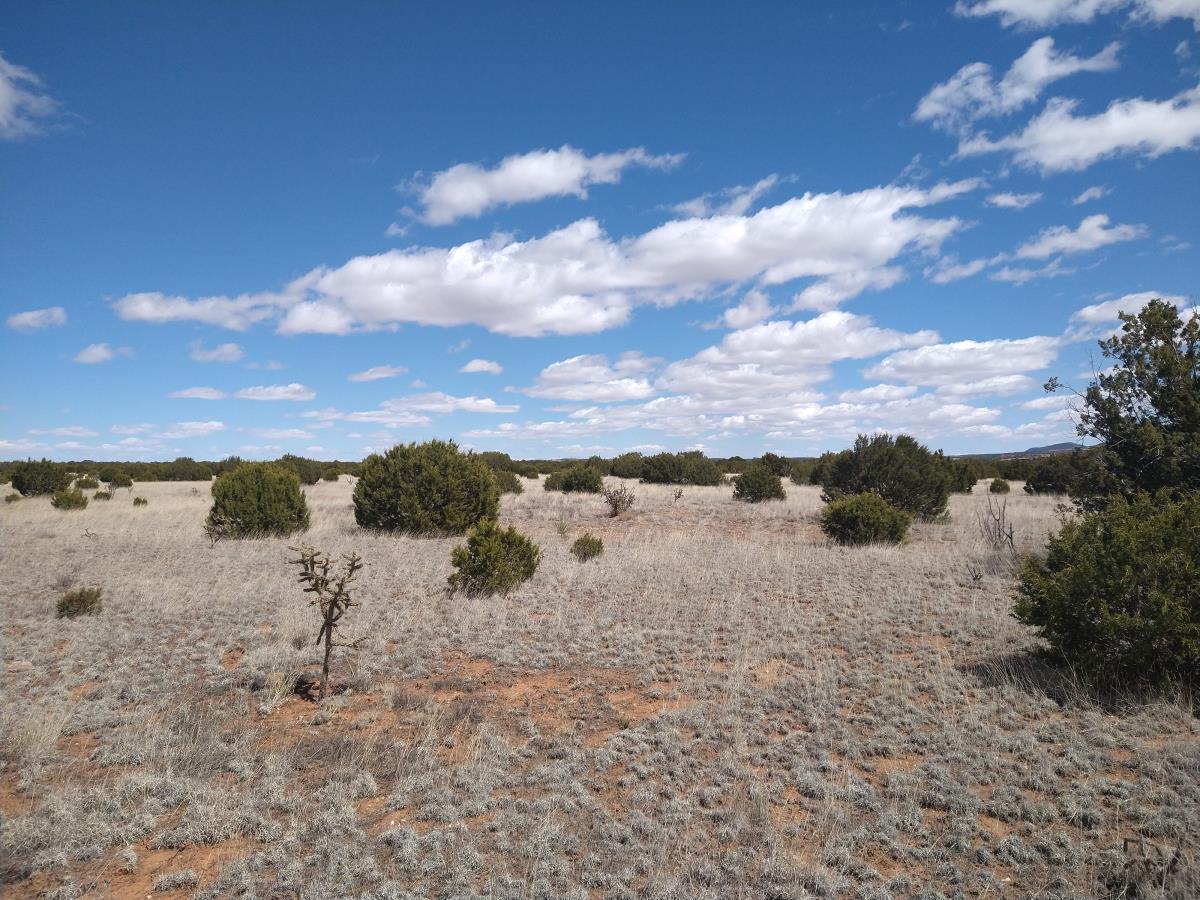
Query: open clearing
722	705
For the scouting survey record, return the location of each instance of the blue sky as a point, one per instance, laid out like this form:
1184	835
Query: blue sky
554	230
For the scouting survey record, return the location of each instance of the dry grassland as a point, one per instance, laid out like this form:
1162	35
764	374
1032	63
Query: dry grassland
722	705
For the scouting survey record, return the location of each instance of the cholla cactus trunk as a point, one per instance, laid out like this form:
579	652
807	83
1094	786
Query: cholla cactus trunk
331	596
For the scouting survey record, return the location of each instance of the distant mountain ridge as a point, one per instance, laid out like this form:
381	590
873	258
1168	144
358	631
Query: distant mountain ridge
1048	450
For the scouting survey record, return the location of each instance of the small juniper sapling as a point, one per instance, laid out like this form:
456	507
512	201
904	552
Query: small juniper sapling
331	595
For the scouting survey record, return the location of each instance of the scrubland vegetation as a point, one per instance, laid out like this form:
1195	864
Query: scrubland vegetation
876	682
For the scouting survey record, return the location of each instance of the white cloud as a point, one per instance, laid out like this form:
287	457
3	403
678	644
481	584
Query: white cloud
878	392
469	190
1093	193
67	431
223	353
1018	275
577	280
294	392
965	362
100	353
1013	201
198	393
375	373
827	294
280	434
32	319
754	308
588	378
1091	234
182	430
386	415
483	366
438	402
997	384
734	201
25	107
138	428
1045	13
1107	312
1051	401
972	93
949	269
1057	140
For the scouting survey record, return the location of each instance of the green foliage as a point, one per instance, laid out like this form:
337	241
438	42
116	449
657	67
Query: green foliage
33	478
820	471
331	474
900	470
507	482
502	462
493	560
69	498
1145	411
184	468
690	467
118	479
864	519
620	499
80	602
758	483
140	501
12	498
962	476
87	483
1060	472
998	486
307	470
430	488
1119	593
626	465
779	466
581	479
103	495
257	499
800	471
587	546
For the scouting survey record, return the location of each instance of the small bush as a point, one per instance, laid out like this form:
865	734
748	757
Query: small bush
493	560
119	480
140	501
758	483
12	498
691	467
103	495
779	466
576	480
900	470
309	471
72	498
507	482
998	486
587	546
87	483
430	488
184	468
627	465
864	519
620	499
257	499
1119	592
79	602
35	478
331	475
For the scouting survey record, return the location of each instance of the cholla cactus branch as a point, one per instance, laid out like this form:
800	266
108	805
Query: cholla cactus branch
331	596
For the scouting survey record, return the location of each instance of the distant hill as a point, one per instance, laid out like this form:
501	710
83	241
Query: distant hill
1048	450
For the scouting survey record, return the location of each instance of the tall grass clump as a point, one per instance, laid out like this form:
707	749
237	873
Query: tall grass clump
430	488
256	499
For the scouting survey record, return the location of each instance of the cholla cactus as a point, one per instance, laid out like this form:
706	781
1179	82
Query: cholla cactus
330	596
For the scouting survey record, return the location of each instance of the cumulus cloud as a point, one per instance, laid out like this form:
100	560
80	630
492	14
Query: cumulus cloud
469	190
375	373
948	269
577	280
25	107
1045	13
591	378
1098	319
33	319
182	430
966	362
1091	234
972	93
66	431
1057	140
280	434
1013	201
483	366
754	308
198	393
293	392
100	353
1093	193
734	201
438	402
878	392
223	353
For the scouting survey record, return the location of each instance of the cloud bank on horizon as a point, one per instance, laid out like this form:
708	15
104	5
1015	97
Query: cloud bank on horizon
651	286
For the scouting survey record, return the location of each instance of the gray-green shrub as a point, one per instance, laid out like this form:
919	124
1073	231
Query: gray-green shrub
35	477
581	479
493	560
80	602
999	486
257	499
587	546
69	498
864	519
757	484
430	488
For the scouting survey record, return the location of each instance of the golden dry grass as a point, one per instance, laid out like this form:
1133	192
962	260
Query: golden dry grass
722	704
